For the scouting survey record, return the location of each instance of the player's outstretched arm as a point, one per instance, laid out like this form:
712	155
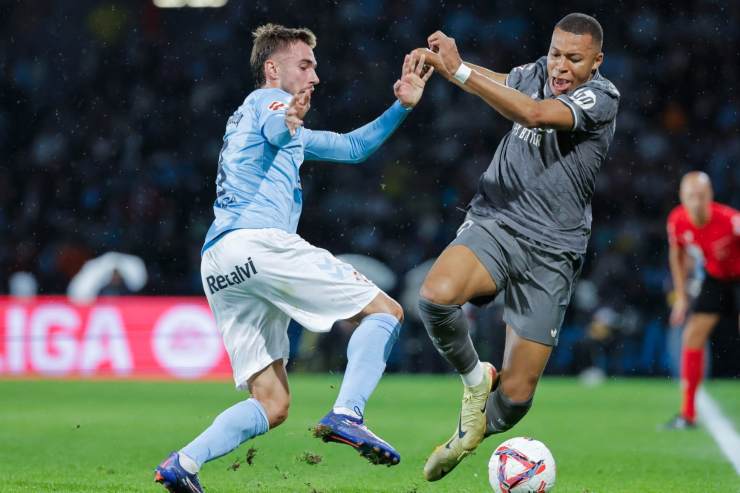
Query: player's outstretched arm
357	145
510	103
433	59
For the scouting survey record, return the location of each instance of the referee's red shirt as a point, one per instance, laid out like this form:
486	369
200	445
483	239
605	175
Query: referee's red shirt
718	240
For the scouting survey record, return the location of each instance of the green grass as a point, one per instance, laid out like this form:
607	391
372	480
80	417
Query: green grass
99	436
727	395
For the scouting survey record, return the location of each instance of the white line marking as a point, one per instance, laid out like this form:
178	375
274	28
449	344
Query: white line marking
719	427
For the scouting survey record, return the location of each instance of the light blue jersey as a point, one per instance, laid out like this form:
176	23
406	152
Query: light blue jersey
258	183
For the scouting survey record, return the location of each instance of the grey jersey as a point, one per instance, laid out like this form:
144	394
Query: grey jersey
540	181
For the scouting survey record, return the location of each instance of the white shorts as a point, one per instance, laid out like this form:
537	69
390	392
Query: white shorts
256	280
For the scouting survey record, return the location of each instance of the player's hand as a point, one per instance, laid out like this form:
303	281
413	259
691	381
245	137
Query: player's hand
445	46
678	311
414	76
297	109
433	60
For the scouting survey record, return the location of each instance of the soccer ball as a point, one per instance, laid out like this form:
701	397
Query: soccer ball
521	465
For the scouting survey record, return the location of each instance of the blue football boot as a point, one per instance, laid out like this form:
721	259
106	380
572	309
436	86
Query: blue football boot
172	476
352	431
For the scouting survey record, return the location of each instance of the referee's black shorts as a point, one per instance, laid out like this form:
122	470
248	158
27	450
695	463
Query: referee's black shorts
721	296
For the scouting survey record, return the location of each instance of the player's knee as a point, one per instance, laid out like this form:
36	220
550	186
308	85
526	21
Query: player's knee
694	335
276	408
519	388
385	304
441	291
687	338
395	309
279	416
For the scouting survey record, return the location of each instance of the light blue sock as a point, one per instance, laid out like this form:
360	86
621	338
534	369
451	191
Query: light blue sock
231	428
367	353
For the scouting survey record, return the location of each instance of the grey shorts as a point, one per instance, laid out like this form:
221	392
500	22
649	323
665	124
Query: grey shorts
537	281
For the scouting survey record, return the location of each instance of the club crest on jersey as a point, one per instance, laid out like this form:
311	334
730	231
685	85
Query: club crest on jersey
584	97
276	106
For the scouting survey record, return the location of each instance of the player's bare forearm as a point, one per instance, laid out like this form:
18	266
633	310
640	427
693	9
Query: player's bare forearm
512	104
519	107
433	59
498	77
495	76
679	272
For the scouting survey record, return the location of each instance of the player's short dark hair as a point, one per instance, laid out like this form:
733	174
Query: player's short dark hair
578	23
271	38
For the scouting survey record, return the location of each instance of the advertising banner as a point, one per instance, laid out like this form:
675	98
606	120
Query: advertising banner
126	337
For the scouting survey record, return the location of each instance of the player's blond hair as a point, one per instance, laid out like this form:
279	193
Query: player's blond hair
271	38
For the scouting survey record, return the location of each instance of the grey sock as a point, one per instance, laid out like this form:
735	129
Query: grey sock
448	329
502	413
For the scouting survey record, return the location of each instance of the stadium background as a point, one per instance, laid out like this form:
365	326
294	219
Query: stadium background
112	113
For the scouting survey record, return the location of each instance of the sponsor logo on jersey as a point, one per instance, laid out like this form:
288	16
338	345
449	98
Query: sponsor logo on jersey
236	276
532	136
276	106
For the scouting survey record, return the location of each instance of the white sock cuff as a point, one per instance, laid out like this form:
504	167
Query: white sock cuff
474	376
347	412
188	464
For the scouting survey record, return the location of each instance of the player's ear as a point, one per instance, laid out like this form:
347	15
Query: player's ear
598	60
271	70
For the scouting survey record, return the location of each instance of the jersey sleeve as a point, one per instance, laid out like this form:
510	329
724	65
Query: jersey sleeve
357	145
271	108
593	106
671	227
735	221
524	76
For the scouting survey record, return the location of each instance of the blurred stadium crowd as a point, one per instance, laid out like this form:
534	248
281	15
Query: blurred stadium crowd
112	114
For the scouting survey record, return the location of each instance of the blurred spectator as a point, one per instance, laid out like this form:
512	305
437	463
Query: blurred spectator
22	285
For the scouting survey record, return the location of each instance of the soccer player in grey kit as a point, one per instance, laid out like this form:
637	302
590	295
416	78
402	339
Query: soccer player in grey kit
526	229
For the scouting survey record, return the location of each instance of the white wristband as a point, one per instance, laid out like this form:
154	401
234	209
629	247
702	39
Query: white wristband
462	73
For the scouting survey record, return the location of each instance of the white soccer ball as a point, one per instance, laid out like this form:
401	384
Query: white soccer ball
521	465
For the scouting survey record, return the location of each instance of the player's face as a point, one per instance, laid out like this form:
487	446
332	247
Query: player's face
296	68
571	61
697	199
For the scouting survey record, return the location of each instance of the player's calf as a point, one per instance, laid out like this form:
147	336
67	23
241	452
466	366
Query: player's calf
270	388
502	413
367	353
448	329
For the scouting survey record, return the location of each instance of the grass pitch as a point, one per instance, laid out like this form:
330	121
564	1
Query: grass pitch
104	436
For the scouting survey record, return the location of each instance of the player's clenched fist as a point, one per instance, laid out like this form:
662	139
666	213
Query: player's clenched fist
414	76
297	109
445	46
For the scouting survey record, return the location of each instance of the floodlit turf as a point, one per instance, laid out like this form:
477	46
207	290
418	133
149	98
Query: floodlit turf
97	436
727	395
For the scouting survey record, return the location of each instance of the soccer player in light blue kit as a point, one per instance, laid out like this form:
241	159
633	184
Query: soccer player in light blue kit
258	273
